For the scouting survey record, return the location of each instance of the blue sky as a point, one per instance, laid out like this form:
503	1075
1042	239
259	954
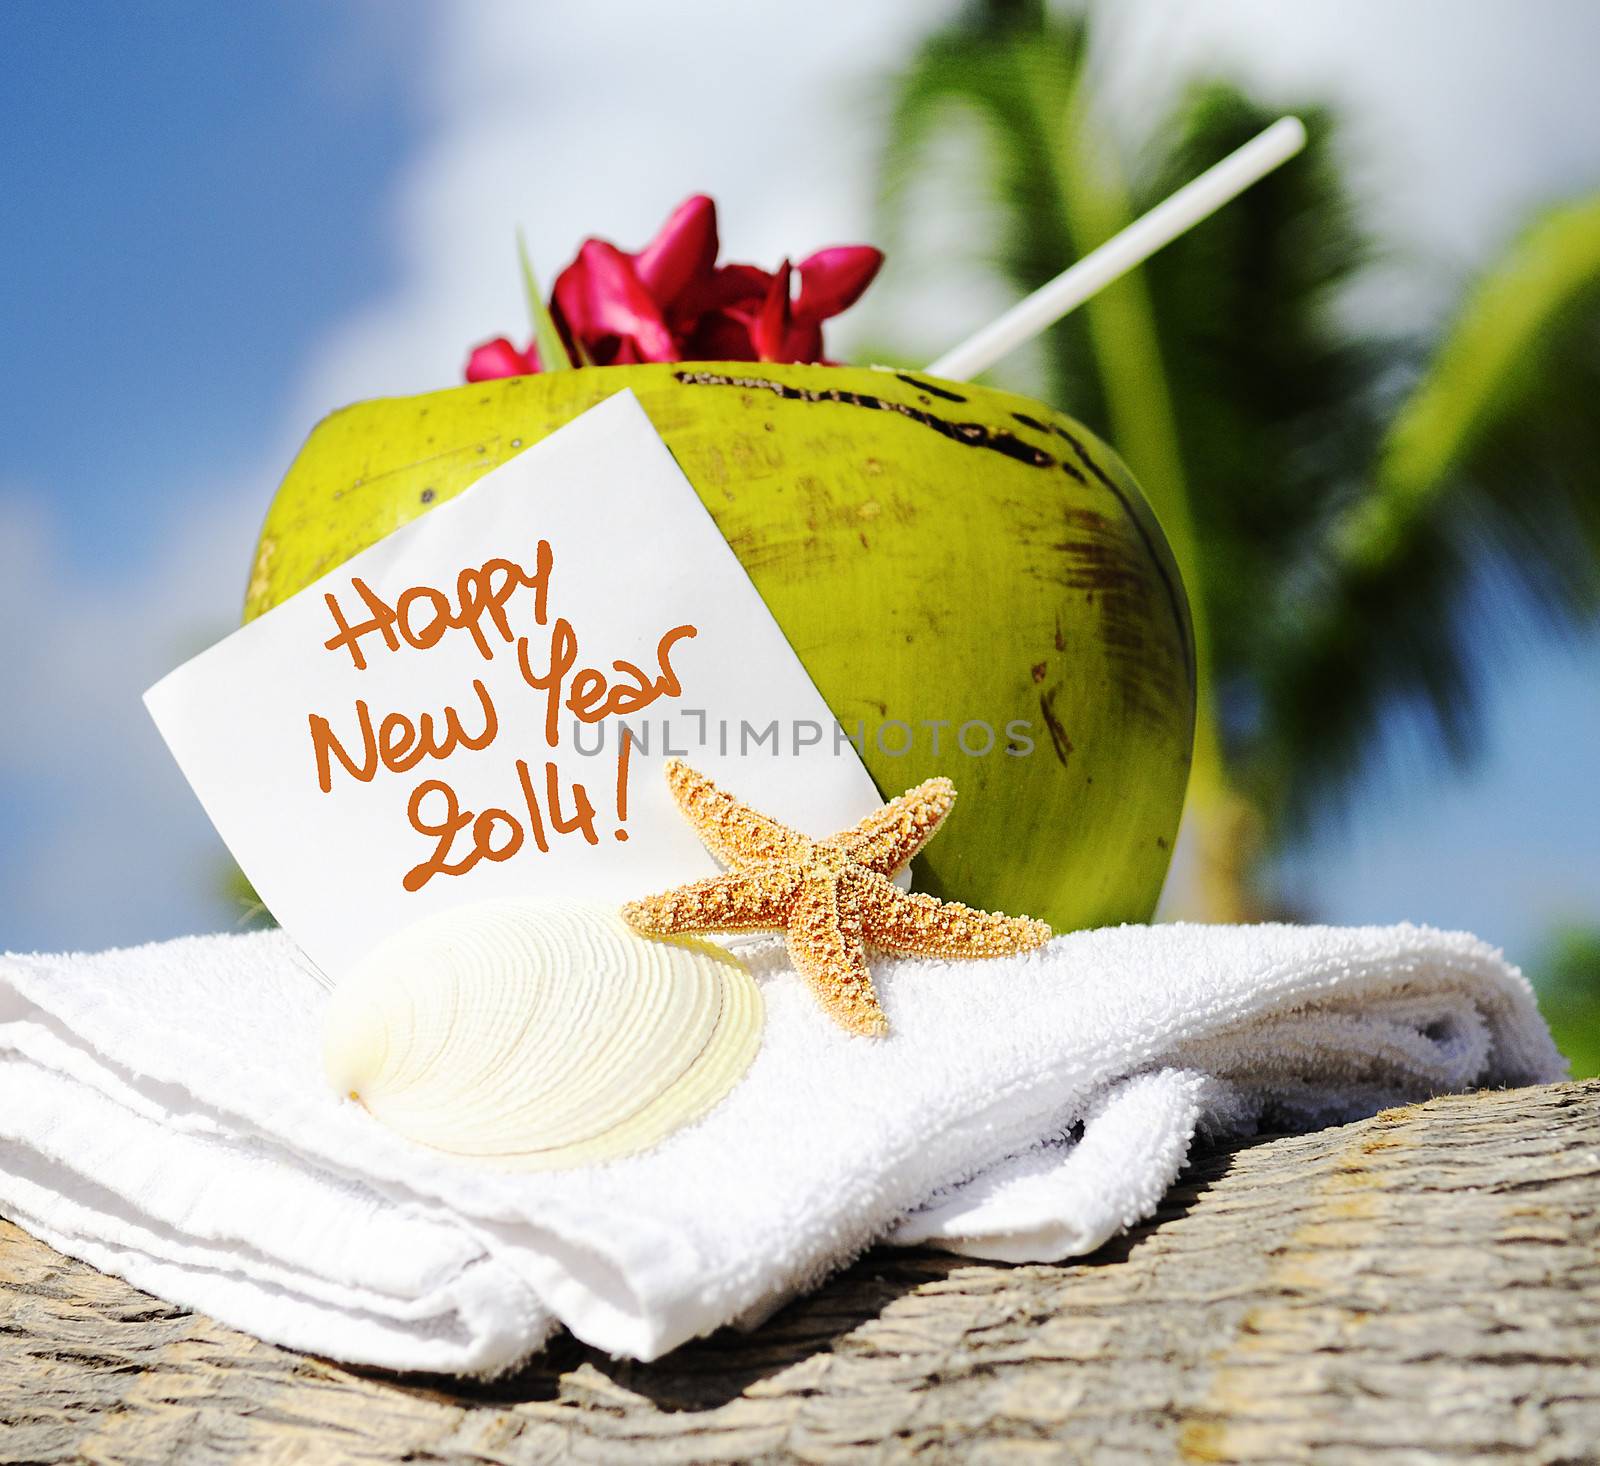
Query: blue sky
224	220
194	192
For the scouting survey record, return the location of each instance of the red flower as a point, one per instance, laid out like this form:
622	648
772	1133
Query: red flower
601	303
674	264
672	302
499	358
750	315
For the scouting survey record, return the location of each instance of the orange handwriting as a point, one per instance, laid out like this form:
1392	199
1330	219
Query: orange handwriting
398	743
593	696
452	821
422	614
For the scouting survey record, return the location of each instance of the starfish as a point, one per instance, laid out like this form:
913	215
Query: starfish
831	898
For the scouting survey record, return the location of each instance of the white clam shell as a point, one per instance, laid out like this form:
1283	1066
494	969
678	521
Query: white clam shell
540	1034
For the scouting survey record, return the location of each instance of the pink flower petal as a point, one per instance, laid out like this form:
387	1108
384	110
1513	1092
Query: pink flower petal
602	303
832	279
771	322
499	358
801	342
682	254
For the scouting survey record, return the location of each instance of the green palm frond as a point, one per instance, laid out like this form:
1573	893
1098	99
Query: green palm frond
1508	352
1275	401
1489	473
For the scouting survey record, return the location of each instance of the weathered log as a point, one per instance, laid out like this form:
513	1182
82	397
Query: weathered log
1422	1286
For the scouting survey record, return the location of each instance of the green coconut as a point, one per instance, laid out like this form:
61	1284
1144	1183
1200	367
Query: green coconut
973	581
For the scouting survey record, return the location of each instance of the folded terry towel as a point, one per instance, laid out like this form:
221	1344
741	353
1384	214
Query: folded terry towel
166	1120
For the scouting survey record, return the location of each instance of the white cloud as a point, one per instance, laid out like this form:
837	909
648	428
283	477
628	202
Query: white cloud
105	842
1460	117
597	120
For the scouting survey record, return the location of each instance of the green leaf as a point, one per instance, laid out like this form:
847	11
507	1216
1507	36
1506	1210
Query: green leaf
1481	498
1497	361
552	350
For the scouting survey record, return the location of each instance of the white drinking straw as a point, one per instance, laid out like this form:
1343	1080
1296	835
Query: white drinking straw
1135	244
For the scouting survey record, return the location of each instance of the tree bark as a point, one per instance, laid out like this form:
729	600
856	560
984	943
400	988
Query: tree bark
1422	1286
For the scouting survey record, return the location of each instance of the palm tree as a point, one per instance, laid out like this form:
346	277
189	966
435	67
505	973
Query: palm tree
1338	501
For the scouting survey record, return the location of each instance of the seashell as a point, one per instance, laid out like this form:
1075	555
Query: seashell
539	1034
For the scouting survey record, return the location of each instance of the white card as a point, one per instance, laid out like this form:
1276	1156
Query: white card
348	839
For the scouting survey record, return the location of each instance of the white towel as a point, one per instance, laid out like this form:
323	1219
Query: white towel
166	1120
